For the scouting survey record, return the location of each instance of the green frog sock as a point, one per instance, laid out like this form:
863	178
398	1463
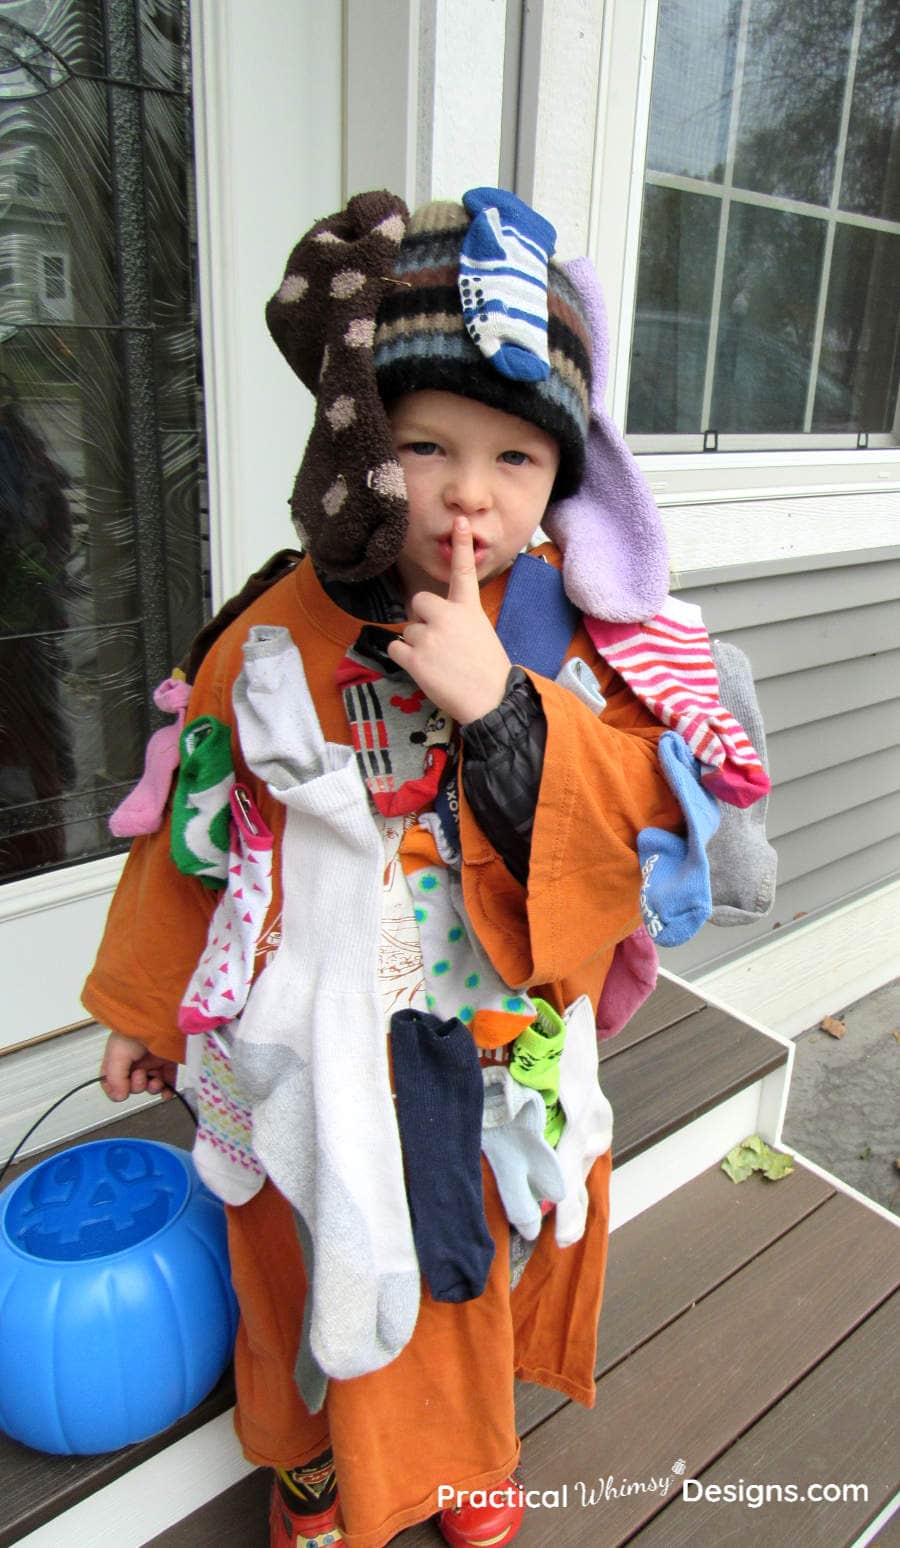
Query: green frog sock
201	815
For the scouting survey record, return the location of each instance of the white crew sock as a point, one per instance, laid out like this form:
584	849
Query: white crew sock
311	1050
589	1118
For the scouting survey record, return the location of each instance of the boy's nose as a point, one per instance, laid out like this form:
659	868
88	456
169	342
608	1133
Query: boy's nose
467	491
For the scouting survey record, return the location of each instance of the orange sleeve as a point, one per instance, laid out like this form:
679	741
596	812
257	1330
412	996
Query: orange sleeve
158	919
601	784
155	934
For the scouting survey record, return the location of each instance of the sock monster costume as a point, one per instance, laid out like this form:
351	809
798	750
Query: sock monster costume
370	308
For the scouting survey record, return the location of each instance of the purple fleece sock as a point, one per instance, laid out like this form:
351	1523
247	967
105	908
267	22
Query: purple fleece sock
615	557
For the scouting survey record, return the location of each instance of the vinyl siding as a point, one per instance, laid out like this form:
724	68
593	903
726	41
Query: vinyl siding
825	649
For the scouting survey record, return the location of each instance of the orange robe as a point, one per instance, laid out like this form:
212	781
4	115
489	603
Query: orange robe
442	1412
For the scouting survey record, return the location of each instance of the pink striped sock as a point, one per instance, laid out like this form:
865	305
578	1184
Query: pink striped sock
668	664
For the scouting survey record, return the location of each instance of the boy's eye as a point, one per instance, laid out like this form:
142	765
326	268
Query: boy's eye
514	458
421	448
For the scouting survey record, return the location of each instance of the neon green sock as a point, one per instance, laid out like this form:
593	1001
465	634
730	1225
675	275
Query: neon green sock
534	1061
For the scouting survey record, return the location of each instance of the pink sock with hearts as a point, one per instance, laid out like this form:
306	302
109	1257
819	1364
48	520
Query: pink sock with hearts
220	982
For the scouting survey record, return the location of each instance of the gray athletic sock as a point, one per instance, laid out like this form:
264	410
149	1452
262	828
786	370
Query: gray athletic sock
310	1379
742	862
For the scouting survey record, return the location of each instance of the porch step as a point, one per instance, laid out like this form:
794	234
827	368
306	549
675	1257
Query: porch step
676	1067
676	1060
750	1336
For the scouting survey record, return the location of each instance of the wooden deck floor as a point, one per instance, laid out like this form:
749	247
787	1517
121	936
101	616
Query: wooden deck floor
750	1334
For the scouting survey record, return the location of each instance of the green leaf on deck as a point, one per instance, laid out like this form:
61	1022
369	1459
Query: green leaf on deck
754	1155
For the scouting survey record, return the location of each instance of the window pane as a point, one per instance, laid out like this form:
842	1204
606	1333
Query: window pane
70	663
860	363
769	305
73	33
693	78
164	57
792	96
671	332
182	474
167	167
767	320
871	182
103	565
65	135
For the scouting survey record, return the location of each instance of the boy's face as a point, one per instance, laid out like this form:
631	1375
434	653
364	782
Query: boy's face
461	458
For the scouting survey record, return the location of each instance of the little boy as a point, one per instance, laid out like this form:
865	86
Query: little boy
451	362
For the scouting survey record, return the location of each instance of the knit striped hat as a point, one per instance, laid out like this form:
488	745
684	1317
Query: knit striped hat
374	304
425	339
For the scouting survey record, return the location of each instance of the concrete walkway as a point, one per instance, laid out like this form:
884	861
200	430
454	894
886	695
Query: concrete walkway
844	1102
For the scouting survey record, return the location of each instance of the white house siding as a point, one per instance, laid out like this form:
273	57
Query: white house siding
824	643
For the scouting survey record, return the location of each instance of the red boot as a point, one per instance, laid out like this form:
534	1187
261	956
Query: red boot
287	1530
485	1526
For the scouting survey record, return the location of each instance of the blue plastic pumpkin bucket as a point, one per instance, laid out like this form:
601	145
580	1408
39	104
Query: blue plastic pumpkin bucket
117	1314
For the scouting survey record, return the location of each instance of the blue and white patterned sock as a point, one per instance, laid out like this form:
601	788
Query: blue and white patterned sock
675	891
503	282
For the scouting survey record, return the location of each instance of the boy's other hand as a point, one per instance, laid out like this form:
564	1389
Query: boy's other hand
129	1068
449	647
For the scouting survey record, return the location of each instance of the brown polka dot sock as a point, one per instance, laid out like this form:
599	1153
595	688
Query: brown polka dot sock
349	499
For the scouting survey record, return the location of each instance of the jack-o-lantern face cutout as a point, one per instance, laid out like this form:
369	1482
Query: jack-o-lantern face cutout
92	1202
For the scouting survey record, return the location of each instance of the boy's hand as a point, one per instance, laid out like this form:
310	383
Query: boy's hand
129	1068
449	646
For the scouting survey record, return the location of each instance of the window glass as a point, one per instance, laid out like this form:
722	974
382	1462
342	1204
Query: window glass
102	537
766	328
768	289
693	80
860	351
791	97
674	305
871	177
54	276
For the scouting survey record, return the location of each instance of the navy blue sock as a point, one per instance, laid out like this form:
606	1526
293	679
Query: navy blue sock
440	1100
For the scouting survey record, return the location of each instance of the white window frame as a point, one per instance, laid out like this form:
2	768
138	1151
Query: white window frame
683	481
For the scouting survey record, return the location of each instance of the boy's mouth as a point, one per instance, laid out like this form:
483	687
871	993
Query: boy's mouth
445	547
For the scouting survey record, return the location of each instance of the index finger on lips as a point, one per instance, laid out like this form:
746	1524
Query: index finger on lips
463	585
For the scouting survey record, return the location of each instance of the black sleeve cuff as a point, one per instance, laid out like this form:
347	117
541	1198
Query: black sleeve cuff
504	758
